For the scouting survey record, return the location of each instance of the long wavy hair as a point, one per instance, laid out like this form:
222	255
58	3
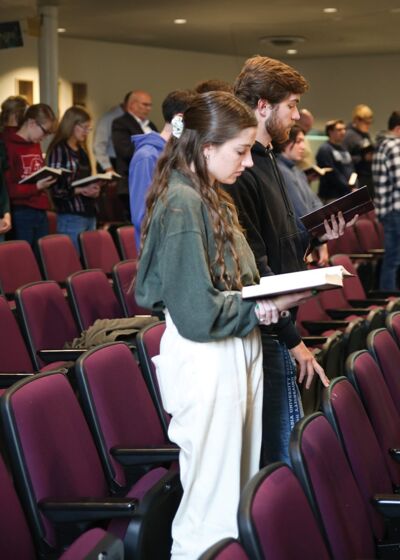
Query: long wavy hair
72	116
211	119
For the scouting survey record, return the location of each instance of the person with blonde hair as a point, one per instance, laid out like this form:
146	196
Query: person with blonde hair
358	142
193	264
75	206
29	201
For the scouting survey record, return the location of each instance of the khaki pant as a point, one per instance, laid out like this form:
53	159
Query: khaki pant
213	391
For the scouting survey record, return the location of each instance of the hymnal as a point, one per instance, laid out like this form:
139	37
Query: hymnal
44	173
316	170
356	202
109	176
314	279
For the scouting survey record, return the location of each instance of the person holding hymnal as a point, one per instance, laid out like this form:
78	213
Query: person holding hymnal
193	263
75	206
29	202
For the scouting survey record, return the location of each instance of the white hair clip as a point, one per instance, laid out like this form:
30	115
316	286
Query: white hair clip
177	125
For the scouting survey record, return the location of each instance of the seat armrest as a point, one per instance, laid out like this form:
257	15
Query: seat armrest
314	340
127	456
361	256
8	379
369	301
318	327
87	509
383	294
376	252
387	504
341	314
61	355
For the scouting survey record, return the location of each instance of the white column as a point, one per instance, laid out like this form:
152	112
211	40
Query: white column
48	56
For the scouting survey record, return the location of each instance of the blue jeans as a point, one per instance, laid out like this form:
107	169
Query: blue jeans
73	224
29	224
281	403
391	259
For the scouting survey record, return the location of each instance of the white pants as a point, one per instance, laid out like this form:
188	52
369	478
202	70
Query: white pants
213	391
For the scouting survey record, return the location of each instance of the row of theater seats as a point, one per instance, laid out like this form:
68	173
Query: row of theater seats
58	259
339	500
97	462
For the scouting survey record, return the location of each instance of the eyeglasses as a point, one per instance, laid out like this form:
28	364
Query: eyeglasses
44	130
85	128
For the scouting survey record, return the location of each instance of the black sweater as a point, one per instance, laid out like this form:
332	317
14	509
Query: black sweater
271	228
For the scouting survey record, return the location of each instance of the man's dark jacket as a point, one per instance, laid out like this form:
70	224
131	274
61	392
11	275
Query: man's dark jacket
122	130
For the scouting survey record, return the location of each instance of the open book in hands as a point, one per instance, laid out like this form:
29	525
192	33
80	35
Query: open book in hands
106	177
316	171
315	279
44	173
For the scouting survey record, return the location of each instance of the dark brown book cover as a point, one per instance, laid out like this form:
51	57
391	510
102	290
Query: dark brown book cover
357	202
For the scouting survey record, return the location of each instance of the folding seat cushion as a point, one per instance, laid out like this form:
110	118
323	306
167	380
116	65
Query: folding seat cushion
92	297
18	266
58	257
275	518
343	408
386	353
47	322
126	242
16	540
123	274
322	468
148	346
98	250
120	411
393	324
366	376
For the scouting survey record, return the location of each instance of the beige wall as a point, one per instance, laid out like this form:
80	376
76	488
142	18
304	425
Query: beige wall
110	70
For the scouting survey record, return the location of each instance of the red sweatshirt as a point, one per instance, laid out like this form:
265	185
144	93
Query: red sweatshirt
23	159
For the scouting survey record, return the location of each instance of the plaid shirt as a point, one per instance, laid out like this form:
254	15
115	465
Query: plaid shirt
386	174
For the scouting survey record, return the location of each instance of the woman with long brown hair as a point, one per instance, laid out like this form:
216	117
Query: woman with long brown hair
75	206
193	263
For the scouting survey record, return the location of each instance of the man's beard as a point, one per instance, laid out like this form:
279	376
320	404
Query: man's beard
277	132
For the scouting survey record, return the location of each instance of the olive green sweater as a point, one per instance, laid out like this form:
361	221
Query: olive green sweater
174	269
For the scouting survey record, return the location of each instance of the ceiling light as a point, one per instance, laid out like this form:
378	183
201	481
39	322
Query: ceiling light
330	10
180	21
61	30
291	51
282	40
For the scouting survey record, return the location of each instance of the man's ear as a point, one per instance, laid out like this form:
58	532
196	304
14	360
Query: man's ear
263	108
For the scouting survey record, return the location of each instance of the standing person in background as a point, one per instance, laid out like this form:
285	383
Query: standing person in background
213	85
5	216
306	122
193	263
358	142
148	148
103	148
303	198
133	121
75	206
386	173
12	114
29	202
334	154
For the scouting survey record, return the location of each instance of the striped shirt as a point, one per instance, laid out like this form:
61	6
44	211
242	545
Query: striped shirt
386	175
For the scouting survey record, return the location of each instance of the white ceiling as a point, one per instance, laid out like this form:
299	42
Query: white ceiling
230	27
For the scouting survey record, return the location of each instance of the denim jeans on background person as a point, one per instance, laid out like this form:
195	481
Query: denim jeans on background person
73	225
29	224
281	401
391	258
